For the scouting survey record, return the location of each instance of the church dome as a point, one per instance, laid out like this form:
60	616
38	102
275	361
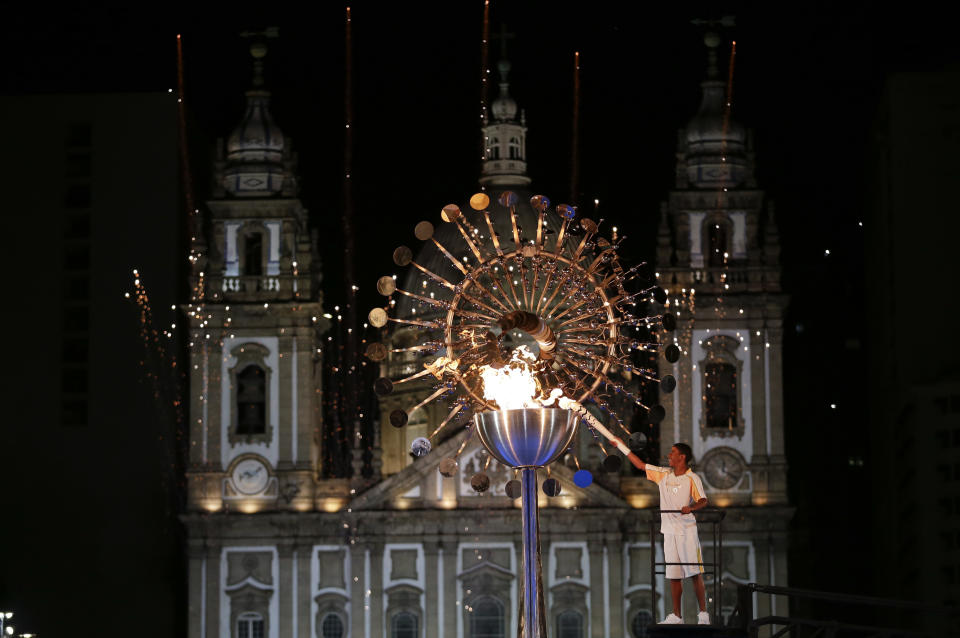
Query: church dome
707	126
715	145
257	138
257	153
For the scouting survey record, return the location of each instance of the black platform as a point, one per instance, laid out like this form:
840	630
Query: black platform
694	631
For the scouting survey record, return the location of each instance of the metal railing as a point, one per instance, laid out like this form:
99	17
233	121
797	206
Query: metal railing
252	283
742	616
711	515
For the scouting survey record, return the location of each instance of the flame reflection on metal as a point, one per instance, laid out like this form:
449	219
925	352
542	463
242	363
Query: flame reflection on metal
527	437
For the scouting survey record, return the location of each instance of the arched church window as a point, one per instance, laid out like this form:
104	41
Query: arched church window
494	148
514	148
640	625
249	625
331	626
251	400
720	394
253	254
721	371
403	625
486	620
570	624
717	244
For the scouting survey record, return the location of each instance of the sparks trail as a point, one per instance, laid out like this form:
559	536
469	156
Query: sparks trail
163	375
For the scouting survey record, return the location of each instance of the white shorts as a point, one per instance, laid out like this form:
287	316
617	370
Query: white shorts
682	548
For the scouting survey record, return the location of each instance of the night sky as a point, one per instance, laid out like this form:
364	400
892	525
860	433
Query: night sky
808	79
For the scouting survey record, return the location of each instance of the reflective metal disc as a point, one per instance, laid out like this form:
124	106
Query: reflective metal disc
551	487
588	225
423	231
450	213
479	201
540	203
668	383
383	386
386	285
480	482
657	413
566	211
398	418
377	317
402	256
376	351
448	467
637	441
582	478
669	321
513	488
671	353
660	295
420	447
508	199
611	463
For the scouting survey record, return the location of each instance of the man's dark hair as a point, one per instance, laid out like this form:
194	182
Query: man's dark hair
686	451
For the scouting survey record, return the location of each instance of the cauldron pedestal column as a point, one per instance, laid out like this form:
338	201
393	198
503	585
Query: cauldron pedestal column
533	616
525	440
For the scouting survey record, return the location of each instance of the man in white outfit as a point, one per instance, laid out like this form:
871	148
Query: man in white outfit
681	490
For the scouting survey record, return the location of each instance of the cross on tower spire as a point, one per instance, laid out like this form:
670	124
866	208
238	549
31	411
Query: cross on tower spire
503	36
712	39
258	49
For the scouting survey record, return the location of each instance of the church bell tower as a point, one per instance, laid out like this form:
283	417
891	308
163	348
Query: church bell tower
255	362
718	259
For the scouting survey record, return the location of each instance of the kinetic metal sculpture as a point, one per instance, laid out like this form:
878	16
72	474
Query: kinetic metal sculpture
567	291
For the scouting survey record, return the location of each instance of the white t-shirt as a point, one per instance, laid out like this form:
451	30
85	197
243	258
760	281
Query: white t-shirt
676	492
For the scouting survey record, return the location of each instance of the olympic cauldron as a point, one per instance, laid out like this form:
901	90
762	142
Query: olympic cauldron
563	286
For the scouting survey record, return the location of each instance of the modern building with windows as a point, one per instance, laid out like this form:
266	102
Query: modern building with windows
276	550
92	193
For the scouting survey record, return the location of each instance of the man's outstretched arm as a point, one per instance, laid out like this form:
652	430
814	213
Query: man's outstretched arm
699	505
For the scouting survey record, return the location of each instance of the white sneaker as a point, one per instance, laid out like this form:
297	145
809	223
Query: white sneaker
703	618
672	619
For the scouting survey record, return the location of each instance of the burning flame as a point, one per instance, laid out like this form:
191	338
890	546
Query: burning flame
441	365
514	386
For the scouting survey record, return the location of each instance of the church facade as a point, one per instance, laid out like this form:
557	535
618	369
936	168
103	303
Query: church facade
277	551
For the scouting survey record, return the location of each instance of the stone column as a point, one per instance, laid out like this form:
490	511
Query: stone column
775	337
195	556
685	399
375	587
357	589
450	607
614	545
304	593
214	398
305	398
756	359
213	627
432	586
196	404
778	460
285	592
761	547
285	401
595	556
780	571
